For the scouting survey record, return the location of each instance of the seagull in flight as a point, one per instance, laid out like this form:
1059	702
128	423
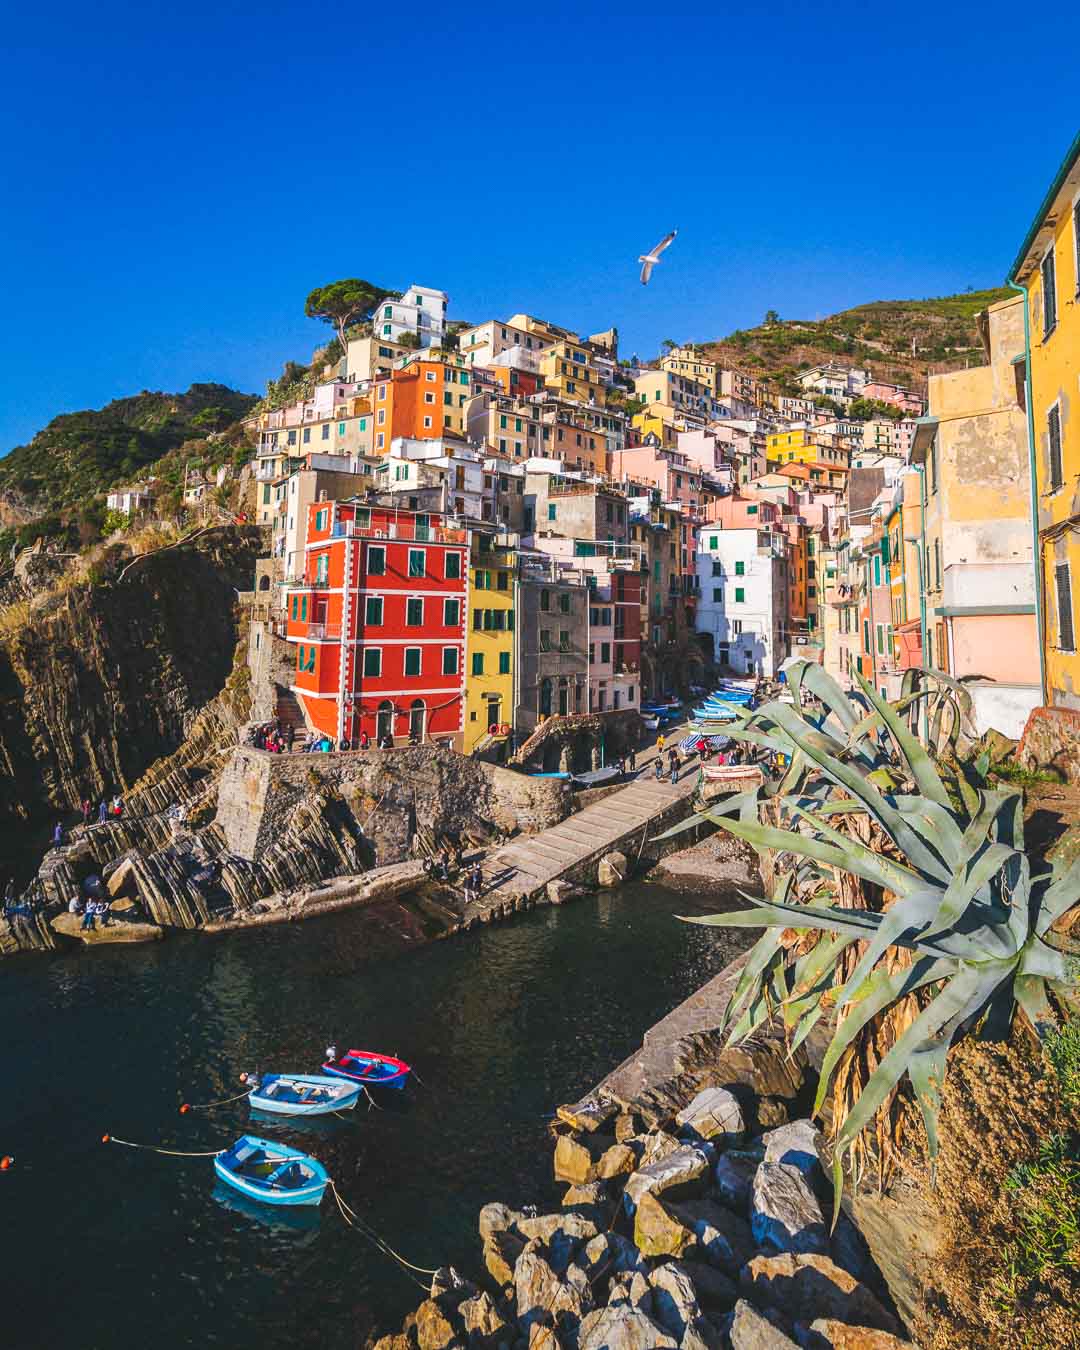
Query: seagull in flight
649	260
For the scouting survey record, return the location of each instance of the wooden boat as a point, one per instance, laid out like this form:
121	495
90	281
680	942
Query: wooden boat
596	777
651	721
302	1094
370	1068
271	1172
720	780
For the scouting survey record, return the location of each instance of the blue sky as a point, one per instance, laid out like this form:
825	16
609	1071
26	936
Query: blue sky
176	179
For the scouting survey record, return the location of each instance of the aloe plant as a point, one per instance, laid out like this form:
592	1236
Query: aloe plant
954	881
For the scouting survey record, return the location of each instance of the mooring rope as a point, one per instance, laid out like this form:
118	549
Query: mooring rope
354	1221
156	1148
209	1106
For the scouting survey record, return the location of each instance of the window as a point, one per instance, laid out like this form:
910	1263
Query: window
376	560
545	600
740	595
373	661
740	569
449	660
564	603
751	510
322	565
551	510
307	435
412	660
414	613
866	635
341	428
320	518
451	613
453	566
478	663
502	582
504	663
373	611
416	562
718	595
1049	290
1053	438
303	609
1066	632
877	570
545	639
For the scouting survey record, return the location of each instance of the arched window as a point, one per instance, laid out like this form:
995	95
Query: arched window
417	719
384	720
264	583
545	698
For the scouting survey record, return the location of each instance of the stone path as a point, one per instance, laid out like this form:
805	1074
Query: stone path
528	863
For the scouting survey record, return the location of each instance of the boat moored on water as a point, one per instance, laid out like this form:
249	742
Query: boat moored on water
369	1068
271	1172
302	1094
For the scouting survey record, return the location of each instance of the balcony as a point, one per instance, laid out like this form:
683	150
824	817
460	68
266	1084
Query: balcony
324	632
437	534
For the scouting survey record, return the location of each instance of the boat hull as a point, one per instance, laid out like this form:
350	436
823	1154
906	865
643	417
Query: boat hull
332	1099
276	1156
371	1069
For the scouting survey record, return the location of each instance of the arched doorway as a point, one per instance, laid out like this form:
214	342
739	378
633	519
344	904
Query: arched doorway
264	583
384	720
544	700
417	720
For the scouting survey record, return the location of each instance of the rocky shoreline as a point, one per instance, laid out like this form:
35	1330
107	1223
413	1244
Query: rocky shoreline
697	1214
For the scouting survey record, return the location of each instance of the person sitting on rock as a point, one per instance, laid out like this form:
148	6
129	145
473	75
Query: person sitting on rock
88	917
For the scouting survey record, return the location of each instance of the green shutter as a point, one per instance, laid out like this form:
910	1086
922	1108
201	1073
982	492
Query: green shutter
478	663
504	663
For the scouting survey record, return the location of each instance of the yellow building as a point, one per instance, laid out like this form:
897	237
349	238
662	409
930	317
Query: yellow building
1047	268
489	640
569	372
801	446
687	362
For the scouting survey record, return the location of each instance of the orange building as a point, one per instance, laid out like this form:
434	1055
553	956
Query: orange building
425	400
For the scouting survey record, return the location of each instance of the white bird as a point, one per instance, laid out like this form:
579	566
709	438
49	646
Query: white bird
649	260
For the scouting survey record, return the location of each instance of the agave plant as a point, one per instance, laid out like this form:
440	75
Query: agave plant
947	916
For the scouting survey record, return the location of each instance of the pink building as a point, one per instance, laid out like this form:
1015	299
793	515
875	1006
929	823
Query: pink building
678	479
896	395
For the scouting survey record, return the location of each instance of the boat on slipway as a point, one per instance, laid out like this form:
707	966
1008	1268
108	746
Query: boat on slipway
302	1094
370	1068
272	1173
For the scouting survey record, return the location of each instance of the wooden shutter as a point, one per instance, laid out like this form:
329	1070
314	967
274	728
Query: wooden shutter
1049	286
1066	635
1053	429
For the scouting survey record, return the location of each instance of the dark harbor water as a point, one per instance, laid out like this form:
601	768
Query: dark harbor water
109	1248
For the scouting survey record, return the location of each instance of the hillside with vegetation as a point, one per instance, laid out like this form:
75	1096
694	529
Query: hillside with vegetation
55	484
901	341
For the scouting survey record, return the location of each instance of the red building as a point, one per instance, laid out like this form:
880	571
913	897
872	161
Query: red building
379	622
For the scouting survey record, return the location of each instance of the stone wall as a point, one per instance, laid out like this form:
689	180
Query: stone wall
1051	740
388	793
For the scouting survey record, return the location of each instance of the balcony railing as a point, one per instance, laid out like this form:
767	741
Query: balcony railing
322	632
437	534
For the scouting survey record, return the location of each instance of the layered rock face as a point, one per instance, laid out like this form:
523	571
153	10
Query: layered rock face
106	679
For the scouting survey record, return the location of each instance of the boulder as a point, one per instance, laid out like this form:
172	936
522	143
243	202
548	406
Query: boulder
609	1254
450	1288
796	1145
70	925
496	1218
576	1159
592	1193
771	1112
396	1342
848	1248
715	1290
613	869
434	1330
785	1214
589	1115
123	881
501	1251
657	1232
762	1063
806	1286
675	1306
560	892
542	1296
631	1288
749	1330
481	1319
622	1328
713	1116
619	1160
627	1125
733	1181
826	1333
546	1227
723	1238
680	1171
654	1146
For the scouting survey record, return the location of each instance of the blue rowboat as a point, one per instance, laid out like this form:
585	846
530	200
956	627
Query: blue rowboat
370	1068
302	1094
272	1173
717	712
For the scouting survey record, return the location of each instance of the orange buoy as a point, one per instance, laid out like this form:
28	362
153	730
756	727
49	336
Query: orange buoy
5	1162
105	1138
243	1078
185	1109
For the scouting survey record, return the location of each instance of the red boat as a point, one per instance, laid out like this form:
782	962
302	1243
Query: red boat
370	1068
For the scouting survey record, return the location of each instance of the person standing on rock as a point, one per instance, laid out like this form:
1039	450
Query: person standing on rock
103	813
86	809
58	835
633	760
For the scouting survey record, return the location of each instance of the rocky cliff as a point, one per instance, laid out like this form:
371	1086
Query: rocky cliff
100	681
